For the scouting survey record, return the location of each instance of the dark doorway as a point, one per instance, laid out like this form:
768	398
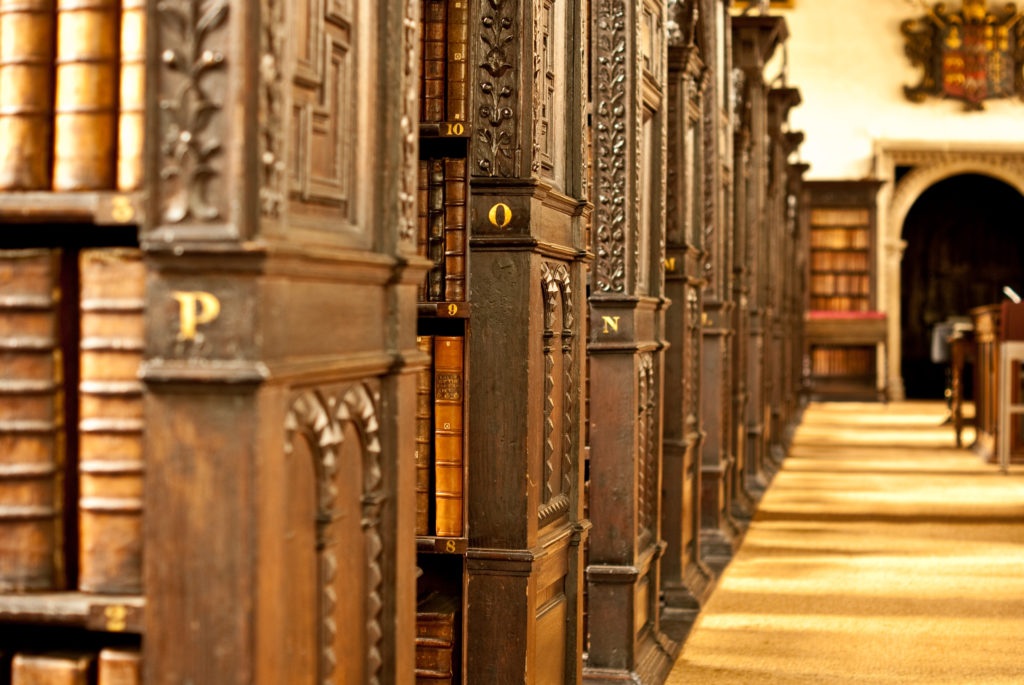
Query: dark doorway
965	241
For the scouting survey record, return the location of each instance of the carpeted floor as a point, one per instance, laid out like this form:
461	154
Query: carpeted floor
880	554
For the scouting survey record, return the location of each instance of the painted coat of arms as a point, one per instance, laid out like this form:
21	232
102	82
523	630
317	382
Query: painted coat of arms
971	55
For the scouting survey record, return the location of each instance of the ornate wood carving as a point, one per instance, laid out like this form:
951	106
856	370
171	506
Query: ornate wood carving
322	424
610	122
271	116
560	336
497	143
647	436
189	33
971	55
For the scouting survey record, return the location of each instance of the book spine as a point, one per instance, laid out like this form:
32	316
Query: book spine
455	229
119	667
448	434
31	421
26	93
424	436
85	103
433	61
433	656
131	114
52	669
458	60
423	217
435	239
110	462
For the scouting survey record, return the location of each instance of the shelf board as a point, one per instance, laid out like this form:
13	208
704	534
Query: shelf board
104	208
444	310
110	613
445	129
431	544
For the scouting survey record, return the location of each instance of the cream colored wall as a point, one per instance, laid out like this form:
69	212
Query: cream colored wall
847	59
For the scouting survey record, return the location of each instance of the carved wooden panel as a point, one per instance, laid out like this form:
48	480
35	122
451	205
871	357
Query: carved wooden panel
333	534
647	450
496	142
550	83
327	85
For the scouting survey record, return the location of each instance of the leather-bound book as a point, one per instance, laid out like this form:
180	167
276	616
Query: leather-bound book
435	227
436	634
455	229
423	217
424	436
448	434
55	668
433	60
110	461
132	106
26	93
458	60
85	101
31	421
122	666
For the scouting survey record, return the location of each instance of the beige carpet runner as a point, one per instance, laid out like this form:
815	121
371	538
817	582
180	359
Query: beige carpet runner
880	554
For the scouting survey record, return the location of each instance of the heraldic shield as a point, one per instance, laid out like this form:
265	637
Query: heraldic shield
971	55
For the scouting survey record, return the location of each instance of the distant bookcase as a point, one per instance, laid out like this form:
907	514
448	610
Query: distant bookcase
844	330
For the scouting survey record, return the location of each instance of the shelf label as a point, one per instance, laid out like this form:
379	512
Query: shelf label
451	309
116	616
500	215
121	209
195	309
611	324
670	264
452	128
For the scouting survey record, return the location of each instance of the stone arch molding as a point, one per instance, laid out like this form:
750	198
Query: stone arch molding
931	163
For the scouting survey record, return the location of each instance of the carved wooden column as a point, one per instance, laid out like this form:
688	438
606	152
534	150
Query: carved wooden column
627	343
779	262
796	289
755	39
718	530
685	580
279	483
528	211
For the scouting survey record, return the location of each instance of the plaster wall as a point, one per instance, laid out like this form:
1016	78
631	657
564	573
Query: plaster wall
846	58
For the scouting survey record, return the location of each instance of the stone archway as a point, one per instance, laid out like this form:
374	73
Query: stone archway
928	164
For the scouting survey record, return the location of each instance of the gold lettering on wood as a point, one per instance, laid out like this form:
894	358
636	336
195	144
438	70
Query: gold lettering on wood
500	215
116	617
611	324
195	309
670	264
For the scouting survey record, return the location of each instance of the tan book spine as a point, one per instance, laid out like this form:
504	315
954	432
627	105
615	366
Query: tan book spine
457	76
424	435
26	93
433	60
448	434
52	669
110	462
119	667
132	102
85	101
31	421
455	229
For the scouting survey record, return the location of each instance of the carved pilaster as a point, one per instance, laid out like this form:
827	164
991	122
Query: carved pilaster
496	145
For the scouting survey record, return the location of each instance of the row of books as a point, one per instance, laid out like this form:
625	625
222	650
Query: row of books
840	284
840	261
439	437
442	227
841	303
444	33
436	625
72	96
112	666
843	361
43	327
840	238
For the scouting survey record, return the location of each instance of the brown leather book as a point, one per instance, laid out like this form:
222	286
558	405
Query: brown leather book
455	229
55	668
436	625
433	60
424	436
119	667
85	101
132	102
26	93
435	238
458	60
110	462
448	434
31	421
423	221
